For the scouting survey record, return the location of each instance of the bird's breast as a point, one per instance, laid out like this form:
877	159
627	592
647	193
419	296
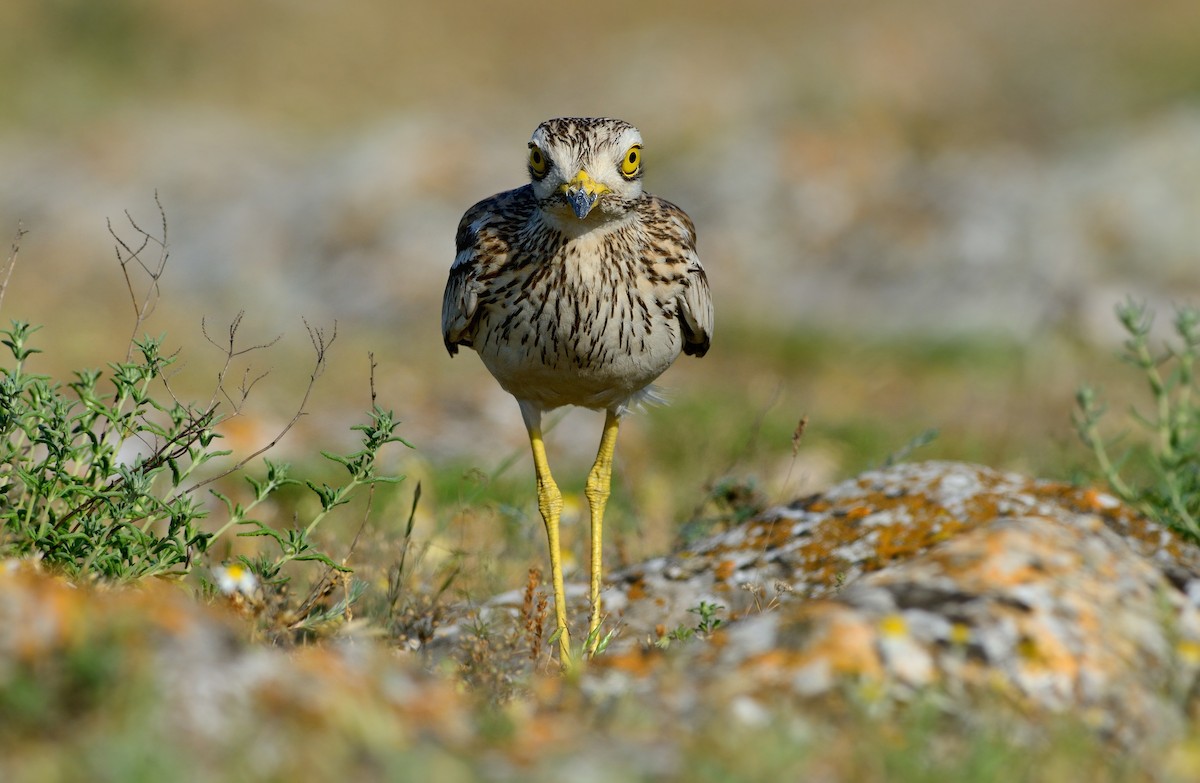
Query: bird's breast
582	325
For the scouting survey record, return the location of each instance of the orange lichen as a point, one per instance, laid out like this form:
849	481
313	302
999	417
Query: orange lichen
840	637
636	661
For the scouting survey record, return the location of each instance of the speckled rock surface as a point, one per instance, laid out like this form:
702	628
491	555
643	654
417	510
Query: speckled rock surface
818	545
938	575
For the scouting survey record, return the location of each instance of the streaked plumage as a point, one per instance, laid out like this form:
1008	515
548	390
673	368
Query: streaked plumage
577	289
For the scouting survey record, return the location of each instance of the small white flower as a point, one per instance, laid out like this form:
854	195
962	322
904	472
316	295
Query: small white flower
235	578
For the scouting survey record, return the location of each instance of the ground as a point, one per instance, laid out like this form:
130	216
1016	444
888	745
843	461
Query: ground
1024	624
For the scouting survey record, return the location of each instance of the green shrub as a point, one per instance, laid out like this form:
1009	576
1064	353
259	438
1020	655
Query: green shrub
1159	474
105	475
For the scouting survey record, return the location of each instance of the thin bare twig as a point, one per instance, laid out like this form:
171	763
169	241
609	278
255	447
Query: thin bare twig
321	345
11	263
232	352
144	305
234	325
373	364
797	436
126	254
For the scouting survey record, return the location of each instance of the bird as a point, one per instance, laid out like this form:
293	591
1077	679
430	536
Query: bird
579	288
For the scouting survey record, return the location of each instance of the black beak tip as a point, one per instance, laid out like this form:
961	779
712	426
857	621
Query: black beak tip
580	202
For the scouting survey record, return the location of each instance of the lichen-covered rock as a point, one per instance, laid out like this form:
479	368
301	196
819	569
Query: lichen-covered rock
945	576
816	546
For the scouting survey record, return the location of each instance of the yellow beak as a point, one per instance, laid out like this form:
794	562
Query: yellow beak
582	192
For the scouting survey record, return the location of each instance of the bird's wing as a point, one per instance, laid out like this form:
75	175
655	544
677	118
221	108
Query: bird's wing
695	300
696	310
482	247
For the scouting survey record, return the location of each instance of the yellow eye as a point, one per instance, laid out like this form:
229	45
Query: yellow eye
538	164
631	164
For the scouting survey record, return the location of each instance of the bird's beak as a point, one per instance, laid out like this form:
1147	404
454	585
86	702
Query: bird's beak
582	192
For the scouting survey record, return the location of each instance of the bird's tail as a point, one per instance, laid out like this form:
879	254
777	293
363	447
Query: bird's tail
648	397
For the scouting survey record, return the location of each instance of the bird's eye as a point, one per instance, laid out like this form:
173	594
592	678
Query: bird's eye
631	164
538	164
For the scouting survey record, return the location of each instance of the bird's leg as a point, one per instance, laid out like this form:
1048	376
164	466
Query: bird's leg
550	504
597	491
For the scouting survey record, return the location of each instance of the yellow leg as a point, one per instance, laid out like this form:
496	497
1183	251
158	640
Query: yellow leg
598	482
550	503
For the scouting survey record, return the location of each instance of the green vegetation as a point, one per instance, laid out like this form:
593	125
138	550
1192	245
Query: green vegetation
70	493
1159	475
113	476
708	622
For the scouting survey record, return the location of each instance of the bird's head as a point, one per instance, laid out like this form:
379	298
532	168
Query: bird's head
585	168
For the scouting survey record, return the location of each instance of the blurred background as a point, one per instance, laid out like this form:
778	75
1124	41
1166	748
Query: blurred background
916	215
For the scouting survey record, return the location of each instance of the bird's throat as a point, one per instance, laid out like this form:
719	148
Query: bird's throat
598	222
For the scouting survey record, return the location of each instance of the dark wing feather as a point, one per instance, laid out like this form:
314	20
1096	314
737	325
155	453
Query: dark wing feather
695	301
482	248
696	312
